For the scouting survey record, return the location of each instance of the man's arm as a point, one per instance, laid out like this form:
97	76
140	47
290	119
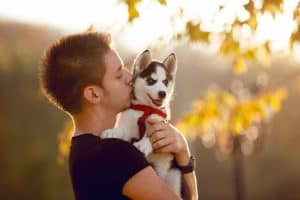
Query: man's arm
166	138
147	185
189	179
190	187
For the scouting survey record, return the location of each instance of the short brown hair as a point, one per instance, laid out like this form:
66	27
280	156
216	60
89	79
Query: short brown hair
70	64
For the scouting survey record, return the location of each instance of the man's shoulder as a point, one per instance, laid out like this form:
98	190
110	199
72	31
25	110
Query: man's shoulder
119	146
121	151
115	141
112	160
108	150
110	147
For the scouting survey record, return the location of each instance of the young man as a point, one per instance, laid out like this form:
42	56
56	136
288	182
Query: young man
82	75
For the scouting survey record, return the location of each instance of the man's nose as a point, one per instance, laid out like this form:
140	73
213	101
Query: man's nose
128	78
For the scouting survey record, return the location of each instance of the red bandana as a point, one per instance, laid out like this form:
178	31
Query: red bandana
147	111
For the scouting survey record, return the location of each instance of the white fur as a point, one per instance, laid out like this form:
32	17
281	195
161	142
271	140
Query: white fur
127	127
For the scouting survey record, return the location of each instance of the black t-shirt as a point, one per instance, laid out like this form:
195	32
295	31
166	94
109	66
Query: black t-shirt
99	168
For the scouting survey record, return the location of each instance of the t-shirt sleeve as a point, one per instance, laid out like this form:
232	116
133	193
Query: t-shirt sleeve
125	161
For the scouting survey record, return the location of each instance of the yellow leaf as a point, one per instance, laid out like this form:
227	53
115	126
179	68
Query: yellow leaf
259	109
274	103
272	6
249	53
237	127
250	7
295	36
229	45
64	140
132	14
163	2
282	93
132	11
228	99
263	55
252	21
195	34
239	66
91	28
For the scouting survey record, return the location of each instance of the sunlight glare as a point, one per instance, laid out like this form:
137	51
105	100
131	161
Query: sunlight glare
69	15
155	21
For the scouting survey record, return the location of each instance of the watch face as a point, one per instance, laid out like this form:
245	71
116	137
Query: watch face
193	161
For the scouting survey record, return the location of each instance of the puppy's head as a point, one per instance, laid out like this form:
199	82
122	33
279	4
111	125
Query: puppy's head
153	81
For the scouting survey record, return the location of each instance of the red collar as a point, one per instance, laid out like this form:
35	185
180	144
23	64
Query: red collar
148	110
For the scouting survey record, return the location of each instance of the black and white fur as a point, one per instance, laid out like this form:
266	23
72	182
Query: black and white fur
153	85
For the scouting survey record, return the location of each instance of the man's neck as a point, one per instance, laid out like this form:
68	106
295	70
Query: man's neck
93	122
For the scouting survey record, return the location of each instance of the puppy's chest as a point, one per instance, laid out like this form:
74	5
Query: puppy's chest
130	120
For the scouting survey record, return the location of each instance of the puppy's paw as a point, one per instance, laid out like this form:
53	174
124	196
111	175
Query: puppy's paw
109	133
144	146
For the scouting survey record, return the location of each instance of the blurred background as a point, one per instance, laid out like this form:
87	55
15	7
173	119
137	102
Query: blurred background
236	98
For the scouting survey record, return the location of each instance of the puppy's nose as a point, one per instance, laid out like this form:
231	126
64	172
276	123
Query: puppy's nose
162	94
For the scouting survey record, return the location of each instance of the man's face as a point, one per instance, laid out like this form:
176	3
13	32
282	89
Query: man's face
116	83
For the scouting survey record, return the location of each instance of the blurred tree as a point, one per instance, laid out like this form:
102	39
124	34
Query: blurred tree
230	32
230	118
28	124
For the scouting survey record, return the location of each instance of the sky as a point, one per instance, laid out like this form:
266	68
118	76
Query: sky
154	22
66	14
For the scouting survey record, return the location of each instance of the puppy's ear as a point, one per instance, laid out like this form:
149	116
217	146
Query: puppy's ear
171	63
142	61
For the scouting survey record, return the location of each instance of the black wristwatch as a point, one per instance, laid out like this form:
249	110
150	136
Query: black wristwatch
188	168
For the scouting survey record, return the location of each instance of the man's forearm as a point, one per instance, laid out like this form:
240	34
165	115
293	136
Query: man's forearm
189	179
190	186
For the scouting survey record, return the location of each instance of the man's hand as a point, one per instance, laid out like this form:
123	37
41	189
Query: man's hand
166	138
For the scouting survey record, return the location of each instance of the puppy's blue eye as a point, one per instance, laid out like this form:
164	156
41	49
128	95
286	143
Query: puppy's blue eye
150	81
166	82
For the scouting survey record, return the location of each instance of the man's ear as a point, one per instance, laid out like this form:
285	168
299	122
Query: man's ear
171	63
93	94
142	61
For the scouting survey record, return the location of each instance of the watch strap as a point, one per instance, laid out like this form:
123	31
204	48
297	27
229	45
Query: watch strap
188	168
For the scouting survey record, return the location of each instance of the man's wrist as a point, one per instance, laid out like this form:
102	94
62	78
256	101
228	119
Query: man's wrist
183	158
188	168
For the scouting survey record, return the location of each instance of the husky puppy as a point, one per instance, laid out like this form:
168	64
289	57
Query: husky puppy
153	86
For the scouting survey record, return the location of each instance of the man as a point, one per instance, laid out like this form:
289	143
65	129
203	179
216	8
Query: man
82	75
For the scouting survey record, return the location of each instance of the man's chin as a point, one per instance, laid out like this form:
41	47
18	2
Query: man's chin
126	106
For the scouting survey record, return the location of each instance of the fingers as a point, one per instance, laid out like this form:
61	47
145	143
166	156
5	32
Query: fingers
158	126
158	135
165	149
161	139
162	144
